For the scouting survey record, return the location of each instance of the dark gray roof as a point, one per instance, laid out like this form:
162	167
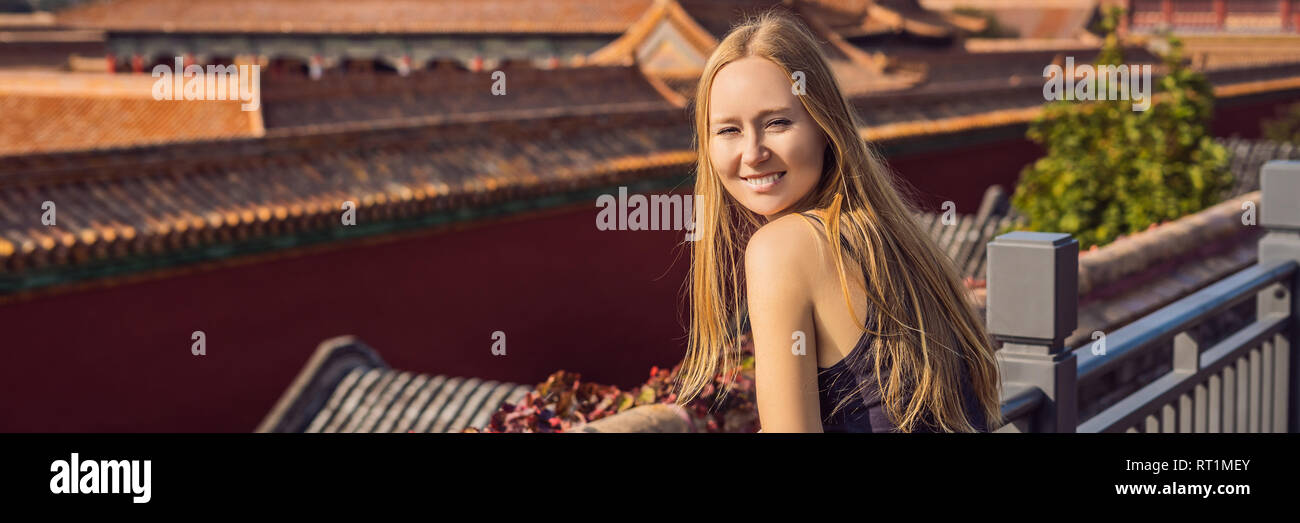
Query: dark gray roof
965	235
1248	156
346	387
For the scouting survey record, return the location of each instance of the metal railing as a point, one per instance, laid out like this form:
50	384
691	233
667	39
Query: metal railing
1246	382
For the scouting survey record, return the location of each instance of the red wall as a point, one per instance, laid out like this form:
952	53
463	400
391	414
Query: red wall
962	174
603	303
1243	119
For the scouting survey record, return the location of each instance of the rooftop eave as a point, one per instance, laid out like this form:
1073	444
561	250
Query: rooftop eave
622	51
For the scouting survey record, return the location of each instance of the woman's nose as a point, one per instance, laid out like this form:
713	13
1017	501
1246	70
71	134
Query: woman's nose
755	153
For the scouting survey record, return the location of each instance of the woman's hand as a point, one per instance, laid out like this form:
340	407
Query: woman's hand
777	281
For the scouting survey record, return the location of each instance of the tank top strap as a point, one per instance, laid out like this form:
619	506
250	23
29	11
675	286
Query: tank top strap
814	216
844	242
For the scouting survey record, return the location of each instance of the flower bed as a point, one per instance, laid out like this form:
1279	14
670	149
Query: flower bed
563	401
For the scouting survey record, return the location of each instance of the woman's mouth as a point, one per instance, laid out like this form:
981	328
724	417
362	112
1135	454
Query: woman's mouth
765	183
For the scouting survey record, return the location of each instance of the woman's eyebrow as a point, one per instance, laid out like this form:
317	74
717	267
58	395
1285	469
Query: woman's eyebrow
761	114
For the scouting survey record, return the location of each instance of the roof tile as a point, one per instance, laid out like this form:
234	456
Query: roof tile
358	16
48	111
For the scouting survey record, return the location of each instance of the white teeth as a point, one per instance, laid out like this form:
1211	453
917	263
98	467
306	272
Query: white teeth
759	182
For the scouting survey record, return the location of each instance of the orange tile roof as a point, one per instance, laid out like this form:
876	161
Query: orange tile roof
1002	45
910	16
924	127
858	18
155	200
183	196
1224	51
857	71
1004	66
623	50
847	18
964	92
38	20
54	111
856	79
291	101
718	16
359	16
997	107
1029	18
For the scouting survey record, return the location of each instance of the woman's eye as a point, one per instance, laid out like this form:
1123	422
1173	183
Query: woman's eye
779	121
727	130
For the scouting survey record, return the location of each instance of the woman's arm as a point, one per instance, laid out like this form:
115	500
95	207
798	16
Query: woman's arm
777	261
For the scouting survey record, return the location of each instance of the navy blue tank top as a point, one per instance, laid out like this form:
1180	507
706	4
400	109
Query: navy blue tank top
865	413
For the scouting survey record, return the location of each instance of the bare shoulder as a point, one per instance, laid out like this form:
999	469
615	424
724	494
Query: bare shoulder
785	246
787	238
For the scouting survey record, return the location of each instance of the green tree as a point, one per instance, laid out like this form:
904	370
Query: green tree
1111	170
1284	128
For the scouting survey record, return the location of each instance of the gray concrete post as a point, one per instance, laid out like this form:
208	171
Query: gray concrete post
1033	301
1279	213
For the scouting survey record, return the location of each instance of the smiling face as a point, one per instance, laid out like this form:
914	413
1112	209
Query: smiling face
763	144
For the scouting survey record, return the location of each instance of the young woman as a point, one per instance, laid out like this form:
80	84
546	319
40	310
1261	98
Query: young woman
860	323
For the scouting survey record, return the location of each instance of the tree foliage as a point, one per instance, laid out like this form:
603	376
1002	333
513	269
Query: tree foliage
1284	128
1110	170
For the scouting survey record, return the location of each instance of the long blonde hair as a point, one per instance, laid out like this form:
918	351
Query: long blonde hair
926	326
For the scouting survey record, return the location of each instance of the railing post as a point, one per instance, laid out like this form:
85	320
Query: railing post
1033	301
1279	213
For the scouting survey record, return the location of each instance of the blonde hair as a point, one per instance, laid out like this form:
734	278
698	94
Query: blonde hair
926	326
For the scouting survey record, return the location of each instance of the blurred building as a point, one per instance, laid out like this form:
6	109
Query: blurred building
35	41
1214	16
